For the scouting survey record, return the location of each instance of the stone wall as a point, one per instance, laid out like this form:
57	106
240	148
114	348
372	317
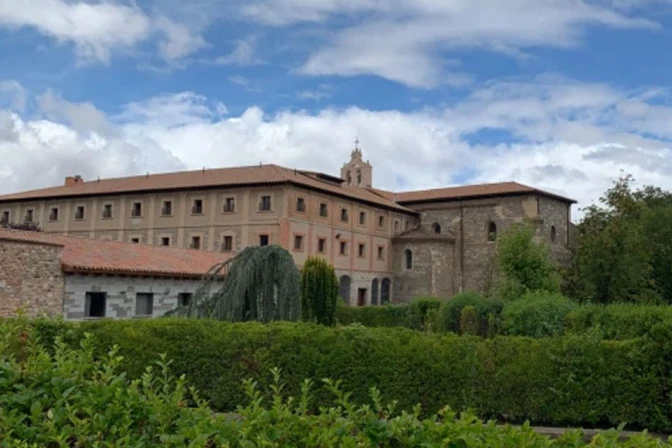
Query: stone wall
556	221
30	278
431	272
121	294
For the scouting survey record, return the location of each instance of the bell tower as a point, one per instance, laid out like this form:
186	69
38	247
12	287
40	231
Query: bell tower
357	172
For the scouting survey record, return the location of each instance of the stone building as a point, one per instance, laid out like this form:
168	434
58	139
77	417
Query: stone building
385	246
81	278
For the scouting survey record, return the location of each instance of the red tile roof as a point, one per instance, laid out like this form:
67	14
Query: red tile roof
111	257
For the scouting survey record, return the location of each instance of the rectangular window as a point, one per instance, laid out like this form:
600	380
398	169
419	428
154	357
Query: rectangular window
29	215
344	248
53	214
229	205
5	216
381	221
381	252
135	240
321	245
344	214
263	240
265	204
300	205
195	242
396	226
227	244
95	304
324	210
167	208
407	225
165	241
79	212
361	297
197	207
107	211
136	210
361	251
144	304
298	242
362	218
184	298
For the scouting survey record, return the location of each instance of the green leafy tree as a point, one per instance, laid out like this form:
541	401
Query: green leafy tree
523	264
319	292
259	284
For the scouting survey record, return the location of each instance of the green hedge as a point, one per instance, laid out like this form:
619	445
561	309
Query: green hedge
448	319
617	321
537	314
558	381
418	314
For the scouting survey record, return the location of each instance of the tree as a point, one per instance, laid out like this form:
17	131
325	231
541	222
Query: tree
319	292
523	264
259	284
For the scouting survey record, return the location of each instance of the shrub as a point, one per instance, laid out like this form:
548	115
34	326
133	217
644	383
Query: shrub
319	292
373	316
537	314
570	380
469	321
448	319
422	312
617	321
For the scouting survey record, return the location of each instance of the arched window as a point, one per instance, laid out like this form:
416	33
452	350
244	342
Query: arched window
553	234
374	292
408	257
492	231
385	291
437	228
344	289
349	177
359	177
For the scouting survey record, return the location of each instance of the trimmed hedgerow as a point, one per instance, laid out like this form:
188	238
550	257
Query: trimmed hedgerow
575	380
450	313
419	314
537	314
617	321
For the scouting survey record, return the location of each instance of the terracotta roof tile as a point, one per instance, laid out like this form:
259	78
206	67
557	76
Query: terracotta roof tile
112	257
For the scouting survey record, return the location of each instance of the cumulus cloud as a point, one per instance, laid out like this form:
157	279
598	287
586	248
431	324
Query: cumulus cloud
567	137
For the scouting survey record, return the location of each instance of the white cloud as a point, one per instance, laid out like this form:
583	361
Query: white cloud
13	94
179	40
243	53
567	137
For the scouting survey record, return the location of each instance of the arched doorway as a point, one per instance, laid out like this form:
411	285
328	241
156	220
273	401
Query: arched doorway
344	288
374	292
385	291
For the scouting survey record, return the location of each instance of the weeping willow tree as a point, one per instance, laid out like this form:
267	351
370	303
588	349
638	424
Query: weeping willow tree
259	284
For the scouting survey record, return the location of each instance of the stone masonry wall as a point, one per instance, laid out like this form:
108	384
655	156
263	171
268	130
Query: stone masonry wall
555	214
121	294
431	274
30	278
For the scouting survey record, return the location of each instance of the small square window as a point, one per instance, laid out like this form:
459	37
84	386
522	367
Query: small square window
135	240
197	207
324	210
227	244
79	212
184	298
167	208
265	204
263	240
362	218
95	304
195	242
381	221
136	210
344	248
344	214
107	211
300	205
381	252
53	214
229	205
144	304
361	251
298	242
165	241
30	214
321	245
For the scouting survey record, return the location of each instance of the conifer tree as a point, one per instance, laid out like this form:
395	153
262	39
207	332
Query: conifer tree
319	292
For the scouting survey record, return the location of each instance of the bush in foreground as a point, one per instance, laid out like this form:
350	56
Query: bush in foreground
57	396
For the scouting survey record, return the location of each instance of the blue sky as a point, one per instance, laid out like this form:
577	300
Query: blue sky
562	94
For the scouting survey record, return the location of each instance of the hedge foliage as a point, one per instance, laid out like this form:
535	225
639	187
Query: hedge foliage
450	314
420	314
617	321
537	314
62	396
564	381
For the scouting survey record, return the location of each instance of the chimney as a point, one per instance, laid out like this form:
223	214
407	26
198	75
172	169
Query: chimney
73	180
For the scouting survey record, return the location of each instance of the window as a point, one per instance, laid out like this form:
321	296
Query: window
553	234
265	204
408	256
135	240
144	304
107	211
298	242
167	208
195	242
361	296
263	240
492	231
359	177
229	205
437	228
197	207
184	298
349	177
396	226
95	304
344	214
79	212
407	225
29	215
362	218
300	205
5	216
381	221
381	252
344	248
321	245
53	214
361	250
136	210
324	210
165	241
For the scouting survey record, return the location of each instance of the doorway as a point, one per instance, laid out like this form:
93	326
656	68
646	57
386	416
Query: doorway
361	297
